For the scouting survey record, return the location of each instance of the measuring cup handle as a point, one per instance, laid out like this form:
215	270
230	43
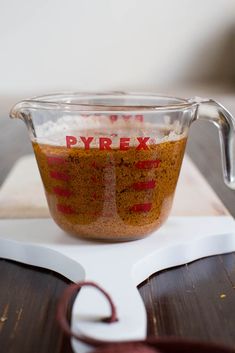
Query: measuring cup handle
208	109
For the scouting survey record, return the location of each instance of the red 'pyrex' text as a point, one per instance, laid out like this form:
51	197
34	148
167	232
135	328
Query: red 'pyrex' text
105	143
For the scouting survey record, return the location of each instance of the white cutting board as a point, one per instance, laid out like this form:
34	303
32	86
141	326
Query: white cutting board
120	267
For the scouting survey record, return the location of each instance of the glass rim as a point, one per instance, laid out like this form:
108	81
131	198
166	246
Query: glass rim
63	101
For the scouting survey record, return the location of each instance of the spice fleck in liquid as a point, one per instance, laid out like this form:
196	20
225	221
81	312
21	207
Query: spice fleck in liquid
110	194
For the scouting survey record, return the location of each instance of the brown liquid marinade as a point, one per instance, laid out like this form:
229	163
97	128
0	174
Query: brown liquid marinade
111	195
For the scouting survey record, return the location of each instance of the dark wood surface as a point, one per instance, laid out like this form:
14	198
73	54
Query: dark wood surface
184	301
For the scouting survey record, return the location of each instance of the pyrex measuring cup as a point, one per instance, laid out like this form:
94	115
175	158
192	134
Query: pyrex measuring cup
110	162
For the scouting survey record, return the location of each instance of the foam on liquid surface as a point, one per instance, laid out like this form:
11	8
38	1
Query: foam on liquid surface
54	133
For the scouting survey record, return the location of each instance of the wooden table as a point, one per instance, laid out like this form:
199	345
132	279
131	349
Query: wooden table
187	301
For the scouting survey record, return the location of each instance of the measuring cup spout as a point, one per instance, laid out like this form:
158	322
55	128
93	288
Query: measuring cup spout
22	110
19	110
212	111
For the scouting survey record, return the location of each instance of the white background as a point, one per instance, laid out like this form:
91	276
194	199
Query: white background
113	44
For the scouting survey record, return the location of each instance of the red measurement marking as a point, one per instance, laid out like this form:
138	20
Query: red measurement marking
59	176
141	207
62	192
150	164
144	185
51	160
139	117
113	118
64	209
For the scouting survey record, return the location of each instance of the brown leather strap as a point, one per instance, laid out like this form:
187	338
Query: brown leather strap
150	345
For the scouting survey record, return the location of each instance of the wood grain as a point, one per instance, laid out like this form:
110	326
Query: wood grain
28	301
199	304
184	301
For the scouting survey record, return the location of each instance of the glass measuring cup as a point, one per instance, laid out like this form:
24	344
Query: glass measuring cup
110	162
